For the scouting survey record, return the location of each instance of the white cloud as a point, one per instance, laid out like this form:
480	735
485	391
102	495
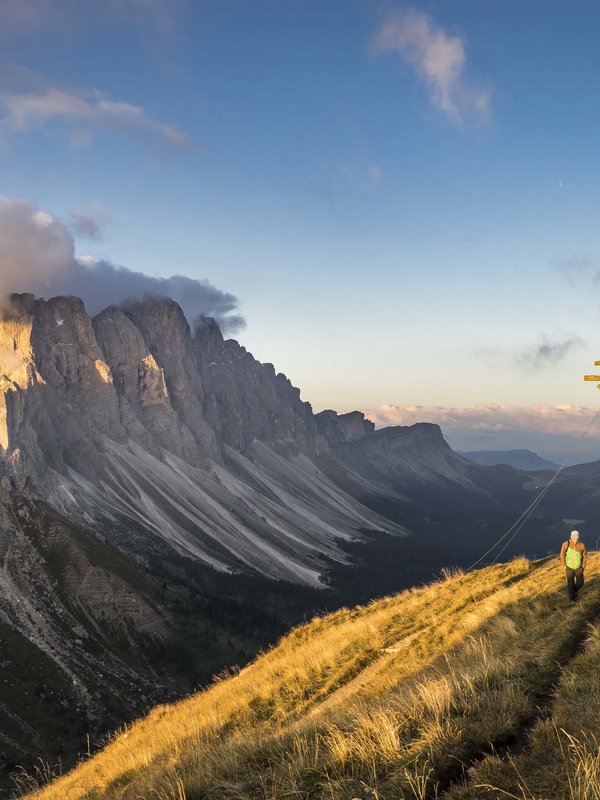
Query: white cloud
438	59
42	219
27	103
549	419
37	255
22	17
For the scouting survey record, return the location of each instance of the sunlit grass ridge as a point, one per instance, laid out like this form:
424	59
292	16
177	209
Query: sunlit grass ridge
383	701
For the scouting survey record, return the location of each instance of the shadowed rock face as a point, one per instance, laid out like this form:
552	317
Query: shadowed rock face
73	623
145	403
133	425
343	427
247	400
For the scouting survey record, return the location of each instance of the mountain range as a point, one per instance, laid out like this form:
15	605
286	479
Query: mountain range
169	505
521	459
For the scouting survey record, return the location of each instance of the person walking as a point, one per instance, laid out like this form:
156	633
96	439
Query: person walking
573	557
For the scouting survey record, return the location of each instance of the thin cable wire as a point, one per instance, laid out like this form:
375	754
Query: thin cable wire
518	525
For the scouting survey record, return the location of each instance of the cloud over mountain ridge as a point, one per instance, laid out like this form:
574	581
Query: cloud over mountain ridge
37	255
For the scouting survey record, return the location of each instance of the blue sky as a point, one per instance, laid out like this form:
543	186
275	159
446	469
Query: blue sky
403	198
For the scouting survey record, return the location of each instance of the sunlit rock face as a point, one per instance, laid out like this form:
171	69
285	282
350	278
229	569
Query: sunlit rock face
164	437
51	368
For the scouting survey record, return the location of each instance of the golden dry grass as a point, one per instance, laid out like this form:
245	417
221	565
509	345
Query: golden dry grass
329	713
559	758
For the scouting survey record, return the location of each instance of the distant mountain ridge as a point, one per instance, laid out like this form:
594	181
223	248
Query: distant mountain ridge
520	459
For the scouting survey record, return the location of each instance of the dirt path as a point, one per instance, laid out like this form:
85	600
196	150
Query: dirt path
519	742
366	675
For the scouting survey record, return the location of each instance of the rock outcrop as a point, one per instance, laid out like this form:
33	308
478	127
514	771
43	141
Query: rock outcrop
343	427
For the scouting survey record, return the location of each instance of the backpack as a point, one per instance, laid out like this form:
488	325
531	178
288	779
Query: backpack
573	558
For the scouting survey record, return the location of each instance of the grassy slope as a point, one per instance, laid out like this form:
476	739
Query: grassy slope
330	713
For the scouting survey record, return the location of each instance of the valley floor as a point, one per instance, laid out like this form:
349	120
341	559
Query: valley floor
479	685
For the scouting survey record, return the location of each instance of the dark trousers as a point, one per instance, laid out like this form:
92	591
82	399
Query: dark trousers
574	581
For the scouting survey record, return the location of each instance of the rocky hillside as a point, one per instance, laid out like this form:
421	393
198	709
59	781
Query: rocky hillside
481	685
90	639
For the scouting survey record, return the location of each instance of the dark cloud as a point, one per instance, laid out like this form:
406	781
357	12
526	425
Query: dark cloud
548	353
578	267
37	255
86	225
545	354
100	284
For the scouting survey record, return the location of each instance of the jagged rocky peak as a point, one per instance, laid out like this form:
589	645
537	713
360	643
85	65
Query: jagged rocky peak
138	372
247	400
142	389
167	439
344	427
55	337
135	371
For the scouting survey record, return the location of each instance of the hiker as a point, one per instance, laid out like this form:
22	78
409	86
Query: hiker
573	557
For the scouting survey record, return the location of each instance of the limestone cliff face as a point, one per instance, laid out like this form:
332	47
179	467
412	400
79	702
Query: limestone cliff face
168	338
145	403
247	400
161	437
140	374
54	369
